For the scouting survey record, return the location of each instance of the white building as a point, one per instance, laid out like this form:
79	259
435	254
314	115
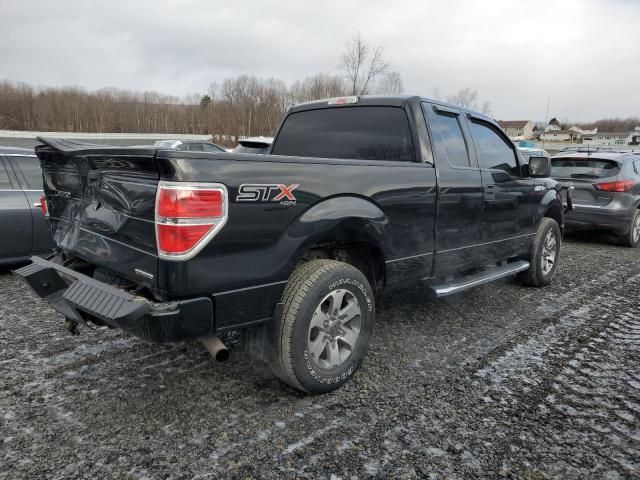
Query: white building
608	138
518	129
558	135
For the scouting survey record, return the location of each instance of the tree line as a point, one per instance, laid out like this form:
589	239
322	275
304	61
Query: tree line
238	106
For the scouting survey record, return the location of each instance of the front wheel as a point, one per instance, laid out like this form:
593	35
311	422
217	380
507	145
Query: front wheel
545	255
326	326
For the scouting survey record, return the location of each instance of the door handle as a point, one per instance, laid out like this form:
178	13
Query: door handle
490	193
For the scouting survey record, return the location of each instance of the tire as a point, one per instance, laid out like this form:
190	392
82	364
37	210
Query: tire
541	272
632	239
316	350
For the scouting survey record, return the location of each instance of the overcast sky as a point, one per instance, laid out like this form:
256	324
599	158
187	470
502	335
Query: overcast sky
584	54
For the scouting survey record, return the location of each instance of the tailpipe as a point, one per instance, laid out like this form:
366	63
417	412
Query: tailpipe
216	348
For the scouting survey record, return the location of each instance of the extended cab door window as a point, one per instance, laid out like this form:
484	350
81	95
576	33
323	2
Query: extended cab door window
448	127
366	133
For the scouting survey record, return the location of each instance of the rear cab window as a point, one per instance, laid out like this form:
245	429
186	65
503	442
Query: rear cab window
585	168
362	132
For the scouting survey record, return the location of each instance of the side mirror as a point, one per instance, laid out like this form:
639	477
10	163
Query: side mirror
539	167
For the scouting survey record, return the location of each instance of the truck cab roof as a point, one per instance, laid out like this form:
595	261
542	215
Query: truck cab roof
377	101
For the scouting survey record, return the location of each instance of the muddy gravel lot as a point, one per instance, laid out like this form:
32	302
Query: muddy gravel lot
500	381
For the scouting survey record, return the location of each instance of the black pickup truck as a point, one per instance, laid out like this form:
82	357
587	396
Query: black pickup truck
358	195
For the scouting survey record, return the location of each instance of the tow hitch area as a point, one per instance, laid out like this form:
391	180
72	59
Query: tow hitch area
80	298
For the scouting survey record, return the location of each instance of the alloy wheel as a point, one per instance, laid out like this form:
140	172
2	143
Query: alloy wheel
549	251
334	329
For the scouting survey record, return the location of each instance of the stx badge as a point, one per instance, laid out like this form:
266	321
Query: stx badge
267	192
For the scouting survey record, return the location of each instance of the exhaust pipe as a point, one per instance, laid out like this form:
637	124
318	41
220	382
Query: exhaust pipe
216	348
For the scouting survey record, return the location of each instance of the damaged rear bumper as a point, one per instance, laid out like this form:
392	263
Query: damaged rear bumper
80	297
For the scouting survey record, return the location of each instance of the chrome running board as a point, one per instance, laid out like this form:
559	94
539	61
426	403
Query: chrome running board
476	279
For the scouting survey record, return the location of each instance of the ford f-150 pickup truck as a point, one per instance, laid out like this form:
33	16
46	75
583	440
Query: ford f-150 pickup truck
357	195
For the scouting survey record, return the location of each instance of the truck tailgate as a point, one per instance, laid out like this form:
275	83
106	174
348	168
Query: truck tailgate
101	202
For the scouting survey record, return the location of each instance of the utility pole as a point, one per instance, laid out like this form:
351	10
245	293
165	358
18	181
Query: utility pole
546	119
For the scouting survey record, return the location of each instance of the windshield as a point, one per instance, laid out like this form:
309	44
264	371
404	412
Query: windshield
167	143
583	168
260	149
533	153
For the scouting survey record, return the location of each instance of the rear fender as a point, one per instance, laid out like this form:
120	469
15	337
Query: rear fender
344	219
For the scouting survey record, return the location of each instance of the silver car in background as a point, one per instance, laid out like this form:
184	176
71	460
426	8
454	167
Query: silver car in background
607	190
257	145
527	153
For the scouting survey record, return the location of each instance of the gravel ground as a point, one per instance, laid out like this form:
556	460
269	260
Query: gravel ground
498	381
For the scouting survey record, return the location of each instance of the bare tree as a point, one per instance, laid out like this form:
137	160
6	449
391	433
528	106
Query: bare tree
361	65
389	84
467	98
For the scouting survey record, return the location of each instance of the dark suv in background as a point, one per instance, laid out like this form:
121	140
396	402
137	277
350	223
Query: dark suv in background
607	190
25	230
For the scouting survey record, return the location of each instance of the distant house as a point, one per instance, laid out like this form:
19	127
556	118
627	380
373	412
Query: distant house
553	124
518	129
634	137
558	135
608	138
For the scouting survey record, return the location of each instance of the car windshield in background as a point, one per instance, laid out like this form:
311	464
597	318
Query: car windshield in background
257	148
528	153
583	168
167	143
368	133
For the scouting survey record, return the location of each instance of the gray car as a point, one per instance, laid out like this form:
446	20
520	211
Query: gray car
25	228
192	146
607	190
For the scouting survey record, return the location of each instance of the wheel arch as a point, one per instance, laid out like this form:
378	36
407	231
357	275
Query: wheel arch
350	229
551	207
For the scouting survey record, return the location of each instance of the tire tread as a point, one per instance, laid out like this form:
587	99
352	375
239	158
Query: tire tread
301	281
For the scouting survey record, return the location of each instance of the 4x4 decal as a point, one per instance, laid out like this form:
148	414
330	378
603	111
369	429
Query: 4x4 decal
267	192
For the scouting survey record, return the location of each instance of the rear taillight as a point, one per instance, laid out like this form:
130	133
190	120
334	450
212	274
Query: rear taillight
617	186
43	206
188	215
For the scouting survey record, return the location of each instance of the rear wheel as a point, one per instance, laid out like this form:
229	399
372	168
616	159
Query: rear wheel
545	254
632	239
326	326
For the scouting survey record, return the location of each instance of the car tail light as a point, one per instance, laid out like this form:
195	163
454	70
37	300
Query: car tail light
43	206
188	215
617	186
